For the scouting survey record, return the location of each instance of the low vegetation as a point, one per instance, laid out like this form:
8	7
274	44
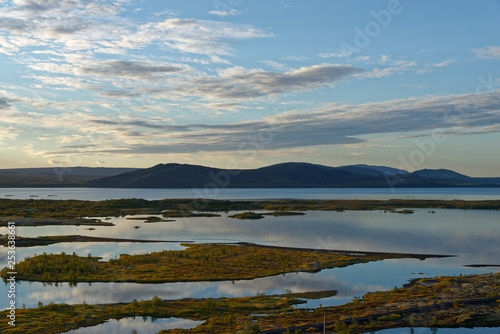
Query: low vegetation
198	262
260	215
219	315
49	240
463	301
59	211
151	219
247	215
441	302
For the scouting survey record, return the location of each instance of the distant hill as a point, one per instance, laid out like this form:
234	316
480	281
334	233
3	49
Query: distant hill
287	175
441	174
56	176
284	175
449	174
373	170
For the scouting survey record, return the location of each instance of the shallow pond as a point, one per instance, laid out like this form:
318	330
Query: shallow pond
142	325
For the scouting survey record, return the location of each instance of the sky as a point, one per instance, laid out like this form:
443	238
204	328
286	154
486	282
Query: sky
410	84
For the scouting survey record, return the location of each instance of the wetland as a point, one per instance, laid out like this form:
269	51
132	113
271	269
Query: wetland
283	250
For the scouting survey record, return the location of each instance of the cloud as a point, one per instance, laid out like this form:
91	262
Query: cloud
275	65
4	103
200	36
119	94
445	63
95	26
175	23
336	54
128	69
232	106
336	124
241	83
488	52
231	12
65	82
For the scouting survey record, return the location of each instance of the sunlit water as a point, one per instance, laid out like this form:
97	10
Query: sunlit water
142	325
470	235
420	330
93	194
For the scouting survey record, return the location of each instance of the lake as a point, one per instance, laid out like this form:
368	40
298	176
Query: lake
97	194
470	235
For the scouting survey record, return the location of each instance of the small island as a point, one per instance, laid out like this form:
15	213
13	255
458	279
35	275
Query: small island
247	215
198	262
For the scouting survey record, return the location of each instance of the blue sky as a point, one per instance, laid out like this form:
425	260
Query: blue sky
243	84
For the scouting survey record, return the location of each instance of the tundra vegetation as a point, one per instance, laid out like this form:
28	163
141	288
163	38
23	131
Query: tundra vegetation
440	302
48	240
198	262
42	211
400	307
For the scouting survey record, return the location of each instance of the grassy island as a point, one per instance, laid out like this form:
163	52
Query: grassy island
198	262
247	215
260	215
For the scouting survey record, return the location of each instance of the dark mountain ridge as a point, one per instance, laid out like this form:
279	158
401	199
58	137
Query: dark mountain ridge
55	176
287	175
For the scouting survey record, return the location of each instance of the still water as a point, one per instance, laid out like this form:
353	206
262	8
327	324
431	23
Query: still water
139	324
485	330
93	194
471	236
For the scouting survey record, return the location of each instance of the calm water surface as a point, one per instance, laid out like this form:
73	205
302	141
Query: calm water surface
485	330
142	325
93	194
470	235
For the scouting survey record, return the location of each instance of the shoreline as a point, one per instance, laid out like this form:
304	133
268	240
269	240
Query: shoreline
198	262
47	240
50	240
346	252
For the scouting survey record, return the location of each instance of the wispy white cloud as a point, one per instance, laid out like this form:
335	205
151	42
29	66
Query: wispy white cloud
275	65
127	69
230	12
76	38
488	52
336	124
336	54
241	83
445	63
231	106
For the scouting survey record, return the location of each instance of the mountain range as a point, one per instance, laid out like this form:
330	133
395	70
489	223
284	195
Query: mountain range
288	175
284	175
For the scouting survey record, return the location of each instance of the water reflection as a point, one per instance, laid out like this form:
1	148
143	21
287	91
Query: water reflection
420	330
253	193
471	235
349	282
106	250
142	325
